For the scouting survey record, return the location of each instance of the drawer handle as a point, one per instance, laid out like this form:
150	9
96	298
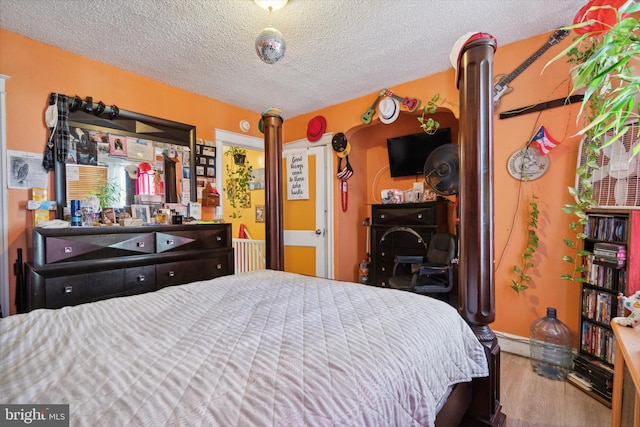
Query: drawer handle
68	249
68	289
218	238
169	242
382	253
141	244
171	273
419	216
219	266
141	278
382	216
383	269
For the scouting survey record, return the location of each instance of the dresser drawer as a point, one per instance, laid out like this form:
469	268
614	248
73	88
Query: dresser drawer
402	240
89	287
184	240
88	247
176	273
401	215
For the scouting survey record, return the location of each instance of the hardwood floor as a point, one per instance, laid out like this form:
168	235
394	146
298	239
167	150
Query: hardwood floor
531	400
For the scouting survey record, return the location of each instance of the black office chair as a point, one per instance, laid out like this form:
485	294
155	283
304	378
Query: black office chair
430	274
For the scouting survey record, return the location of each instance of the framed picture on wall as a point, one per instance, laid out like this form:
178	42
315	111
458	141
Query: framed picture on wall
208	151
257	179
259	213
117	145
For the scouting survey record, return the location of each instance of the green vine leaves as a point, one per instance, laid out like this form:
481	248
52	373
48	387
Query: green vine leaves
429	124
521	271
237	179
584	200
605	70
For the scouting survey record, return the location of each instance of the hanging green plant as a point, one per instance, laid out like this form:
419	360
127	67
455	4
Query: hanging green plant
429	124
583	194
526	260
237	179
604	54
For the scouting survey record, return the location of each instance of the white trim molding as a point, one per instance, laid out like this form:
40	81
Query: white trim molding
513	344
5	301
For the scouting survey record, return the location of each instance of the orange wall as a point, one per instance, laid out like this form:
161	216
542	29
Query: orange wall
514	312
37	69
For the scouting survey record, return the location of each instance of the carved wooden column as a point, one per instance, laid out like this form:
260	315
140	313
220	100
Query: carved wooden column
477	302
272	123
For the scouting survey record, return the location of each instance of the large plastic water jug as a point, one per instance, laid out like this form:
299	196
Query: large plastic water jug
551	347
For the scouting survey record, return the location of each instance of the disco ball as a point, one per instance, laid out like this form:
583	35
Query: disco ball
270	45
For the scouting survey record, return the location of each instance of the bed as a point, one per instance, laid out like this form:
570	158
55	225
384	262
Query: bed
262	348
275	348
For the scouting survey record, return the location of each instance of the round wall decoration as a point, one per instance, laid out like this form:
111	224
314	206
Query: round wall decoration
527	164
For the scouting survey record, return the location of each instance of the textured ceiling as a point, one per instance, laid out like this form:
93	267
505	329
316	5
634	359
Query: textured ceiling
336	49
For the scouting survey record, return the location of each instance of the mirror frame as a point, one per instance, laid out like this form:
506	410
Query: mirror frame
132	124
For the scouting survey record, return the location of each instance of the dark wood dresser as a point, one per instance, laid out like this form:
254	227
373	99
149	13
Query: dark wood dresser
84	264
403	229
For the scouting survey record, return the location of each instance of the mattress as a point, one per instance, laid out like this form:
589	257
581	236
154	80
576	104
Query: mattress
264	348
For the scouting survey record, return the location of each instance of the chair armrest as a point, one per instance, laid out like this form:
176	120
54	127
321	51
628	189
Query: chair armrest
432	268
409	259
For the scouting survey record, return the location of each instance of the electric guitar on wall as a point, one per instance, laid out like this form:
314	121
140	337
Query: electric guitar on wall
501	81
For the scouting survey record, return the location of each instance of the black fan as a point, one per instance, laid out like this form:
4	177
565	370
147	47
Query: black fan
441	170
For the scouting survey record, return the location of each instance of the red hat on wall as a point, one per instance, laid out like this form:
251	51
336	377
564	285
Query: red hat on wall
316	128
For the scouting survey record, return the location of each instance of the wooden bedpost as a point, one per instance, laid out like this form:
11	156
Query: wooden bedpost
272	123
477	301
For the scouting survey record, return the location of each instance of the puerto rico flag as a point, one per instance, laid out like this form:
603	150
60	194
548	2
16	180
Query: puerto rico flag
543	141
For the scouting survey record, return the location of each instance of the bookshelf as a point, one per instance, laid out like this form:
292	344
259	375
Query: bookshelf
613	268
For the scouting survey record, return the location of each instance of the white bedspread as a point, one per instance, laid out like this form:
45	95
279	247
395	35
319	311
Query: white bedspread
263	348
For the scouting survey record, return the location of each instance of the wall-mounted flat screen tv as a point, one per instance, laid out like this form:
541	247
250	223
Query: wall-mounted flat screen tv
408	153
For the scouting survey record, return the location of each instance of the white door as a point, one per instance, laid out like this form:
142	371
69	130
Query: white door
306	233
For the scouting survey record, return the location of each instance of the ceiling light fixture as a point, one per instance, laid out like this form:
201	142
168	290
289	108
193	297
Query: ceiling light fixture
271	4
270	46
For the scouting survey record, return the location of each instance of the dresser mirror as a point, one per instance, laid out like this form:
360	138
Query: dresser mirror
114	151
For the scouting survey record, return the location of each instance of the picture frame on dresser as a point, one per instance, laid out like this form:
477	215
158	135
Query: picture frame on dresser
108	216
141	212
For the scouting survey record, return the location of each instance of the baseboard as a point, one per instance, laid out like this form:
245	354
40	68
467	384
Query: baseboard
513	344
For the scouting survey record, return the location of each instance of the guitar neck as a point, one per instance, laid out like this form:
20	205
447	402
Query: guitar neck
507	79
